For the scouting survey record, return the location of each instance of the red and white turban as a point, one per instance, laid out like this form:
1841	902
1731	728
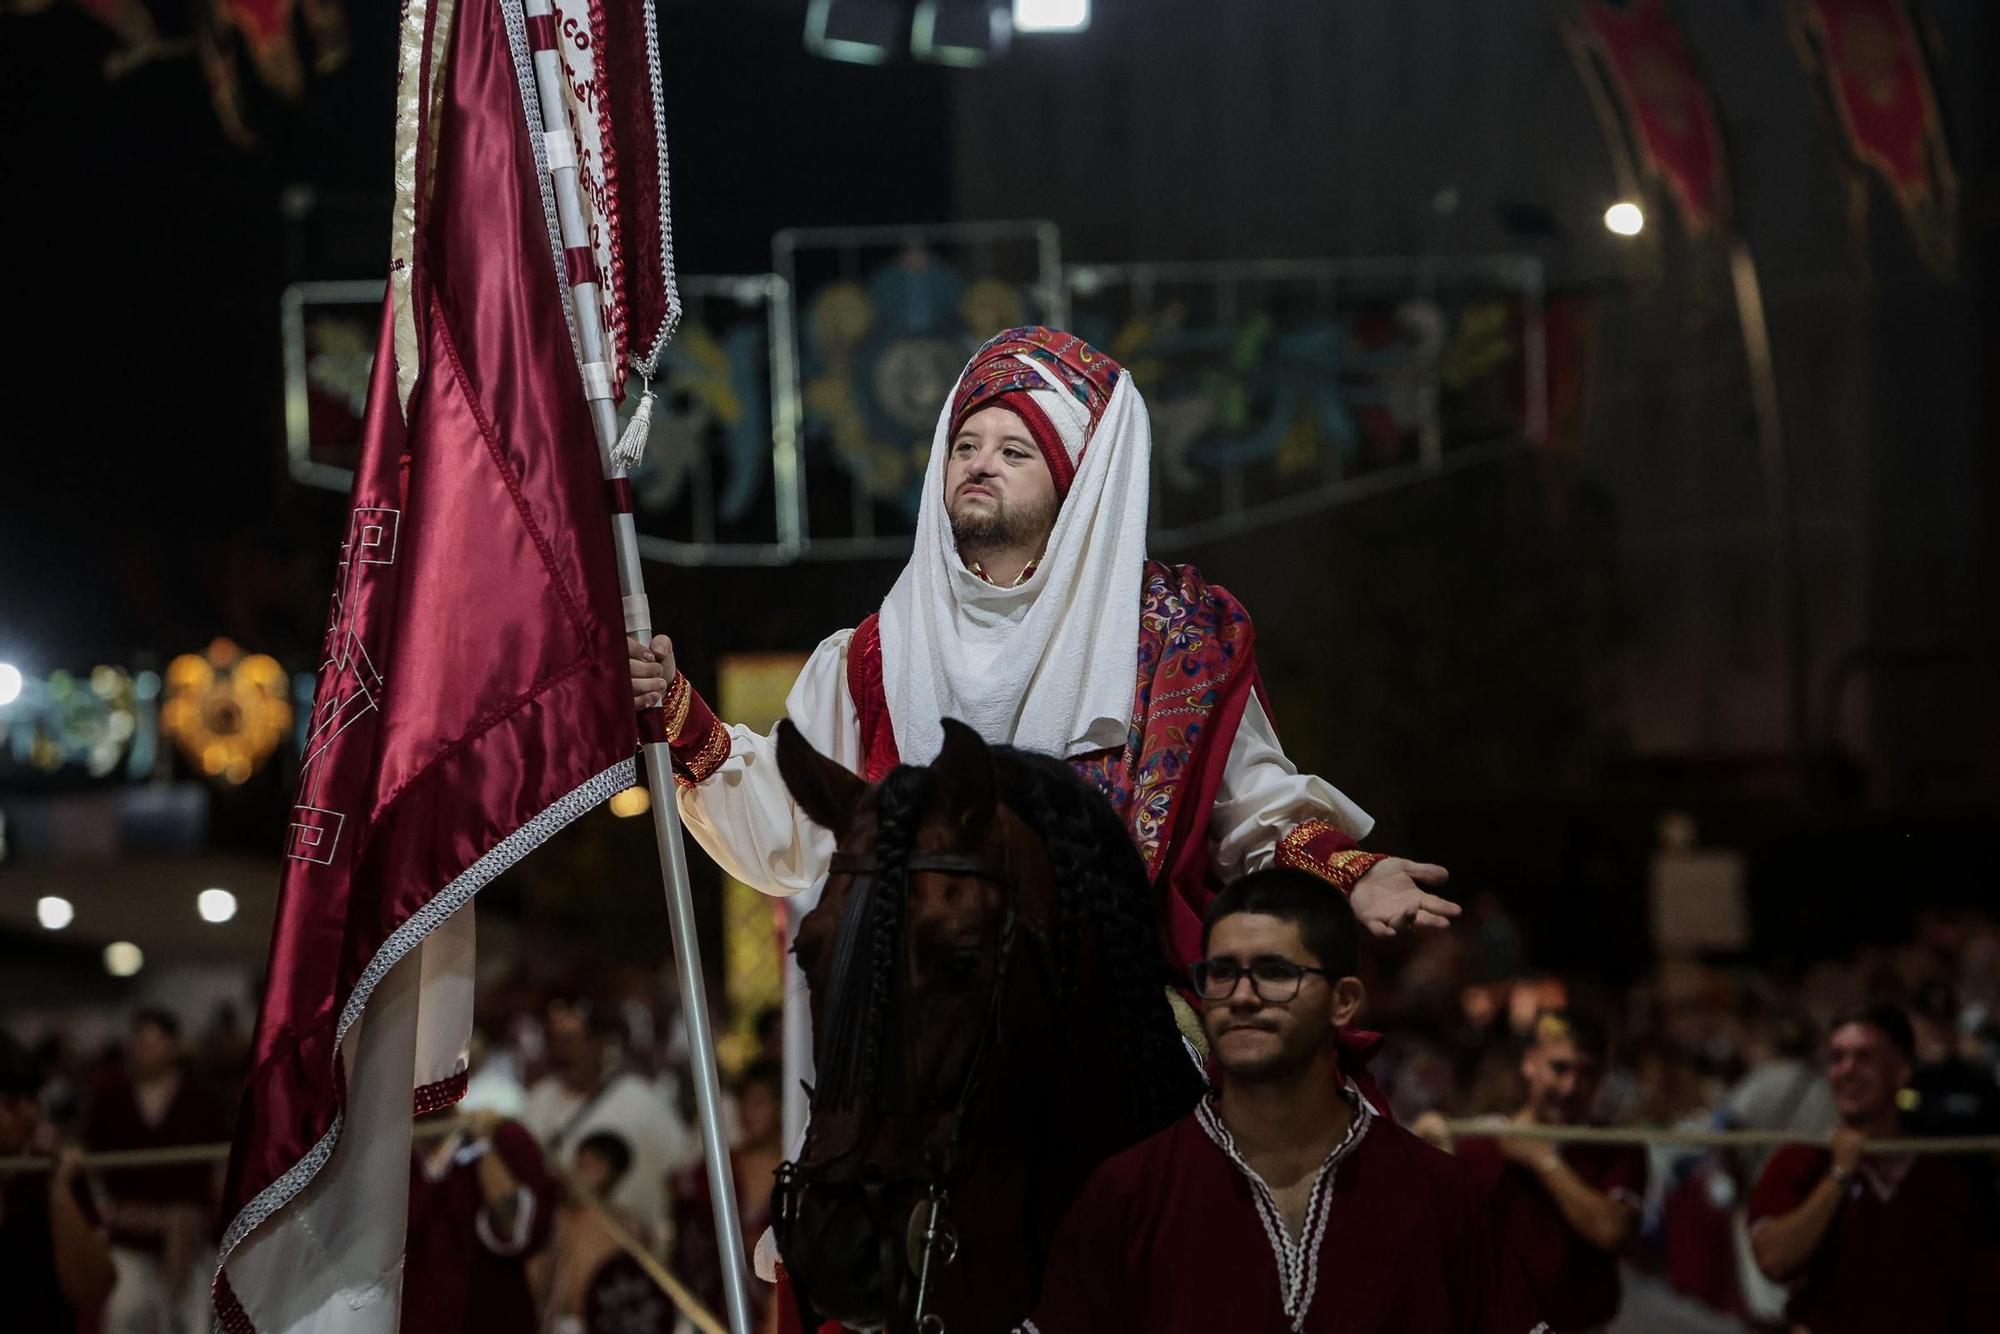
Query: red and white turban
1053	381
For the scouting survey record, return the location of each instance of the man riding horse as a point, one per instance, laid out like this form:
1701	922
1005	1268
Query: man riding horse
1030	611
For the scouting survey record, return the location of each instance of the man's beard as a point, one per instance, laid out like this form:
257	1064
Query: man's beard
998	527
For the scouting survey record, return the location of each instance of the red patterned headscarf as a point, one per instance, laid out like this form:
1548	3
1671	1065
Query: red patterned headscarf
1053	381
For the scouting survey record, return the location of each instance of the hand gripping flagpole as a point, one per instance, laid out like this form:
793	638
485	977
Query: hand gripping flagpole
598	379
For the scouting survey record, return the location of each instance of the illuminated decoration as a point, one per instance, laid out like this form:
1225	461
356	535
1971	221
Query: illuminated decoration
89	722
630	802
751	691
226	711
215	905
1275	386
1051	15
54	912
123	959
10	683
709	387
1625	218
882	354
721	479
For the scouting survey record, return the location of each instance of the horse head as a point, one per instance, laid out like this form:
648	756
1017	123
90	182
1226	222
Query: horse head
985	970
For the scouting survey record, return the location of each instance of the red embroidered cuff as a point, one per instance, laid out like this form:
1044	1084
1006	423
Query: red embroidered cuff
700	743
1318	848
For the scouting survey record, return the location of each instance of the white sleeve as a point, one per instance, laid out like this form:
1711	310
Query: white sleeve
743	815
1263	795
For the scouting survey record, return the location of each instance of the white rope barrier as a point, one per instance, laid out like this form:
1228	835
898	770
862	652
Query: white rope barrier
182	1155
1711	1139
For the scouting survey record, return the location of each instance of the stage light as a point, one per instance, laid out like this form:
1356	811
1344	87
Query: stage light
860	32
965	33
123	959
215	905
10	683
1625	218
630	801
1051	15
54	913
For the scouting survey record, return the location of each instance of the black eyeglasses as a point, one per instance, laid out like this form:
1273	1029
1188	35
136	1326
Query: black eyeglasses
1275	981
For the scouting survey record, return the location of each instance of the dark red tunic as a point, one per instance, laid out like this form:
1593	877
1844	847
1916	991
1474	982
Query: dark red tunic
1176	1236
1904	1253
115	1123
1575	1283
460	1272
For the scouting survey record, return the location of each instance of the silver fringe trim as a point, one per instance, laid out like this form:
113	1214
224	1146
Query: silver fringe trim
651	365
401	941
531	108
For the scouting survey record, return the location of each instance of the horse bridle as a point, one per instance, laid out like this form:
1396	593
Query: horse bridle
939	1239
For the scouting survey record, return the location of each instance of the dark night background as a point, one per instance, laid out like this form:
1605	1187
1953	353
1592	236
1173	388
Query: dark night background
1519	668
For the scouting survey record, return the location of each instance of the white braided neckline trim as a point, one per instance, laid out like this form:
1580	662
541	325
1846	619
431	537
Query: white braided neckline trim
401	941
1298	1265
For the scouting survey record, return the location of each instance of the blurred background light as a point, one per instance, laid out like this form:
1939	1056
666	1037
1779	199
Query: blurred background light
1625	218
632	801
1051	15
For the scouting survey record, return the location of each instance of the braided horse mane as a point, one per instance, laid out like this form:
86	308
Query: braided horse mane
1104	936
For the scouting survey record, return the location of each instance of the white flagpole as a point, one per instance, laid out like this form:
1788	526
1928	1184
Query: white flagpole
598	378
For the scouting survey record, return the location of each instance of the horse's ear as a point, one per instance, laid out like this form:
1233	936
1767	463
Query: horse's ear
826	791
964	770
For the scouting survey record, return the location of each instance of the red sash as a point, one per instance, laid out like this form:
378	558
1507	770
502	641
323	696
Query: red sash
1196	670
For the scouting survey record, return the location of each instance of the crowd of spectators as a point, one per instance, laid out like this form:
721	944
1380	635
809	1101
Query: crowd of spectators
593	1080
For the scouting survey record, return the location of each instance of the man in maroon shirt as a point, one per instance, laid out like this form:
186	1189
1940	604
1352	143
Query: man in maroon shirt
1869	1242
1566	1210
162	1219
55	1268
1285	1201
481	1203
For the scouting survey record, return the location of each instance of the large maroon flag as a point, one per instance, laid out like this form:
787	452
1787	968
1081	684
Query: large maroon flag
471	700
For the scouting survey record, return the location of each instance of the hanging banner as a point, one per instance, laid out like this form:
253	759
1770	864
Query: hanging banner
1872	69
1644	82
611	73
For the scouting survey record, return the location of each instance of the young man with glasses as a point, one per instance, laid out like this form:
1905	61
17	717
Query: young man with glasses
1286	1200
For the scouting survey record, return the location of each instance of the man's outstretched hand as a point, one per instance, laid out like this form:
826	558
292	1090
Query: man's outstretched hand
1395	895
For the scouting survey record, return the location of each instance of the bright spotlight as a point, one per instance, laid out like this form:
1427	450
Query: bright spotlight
1625	218
215	905
10	683
1051	15
54	913
123	959
630	801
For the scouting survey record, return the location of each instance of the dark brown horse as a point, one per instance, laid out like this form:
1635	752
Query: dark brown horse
990	1023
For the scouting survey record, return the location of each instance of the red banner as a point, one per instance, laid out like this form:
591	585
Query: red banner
1872	69
1634	50
471	701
